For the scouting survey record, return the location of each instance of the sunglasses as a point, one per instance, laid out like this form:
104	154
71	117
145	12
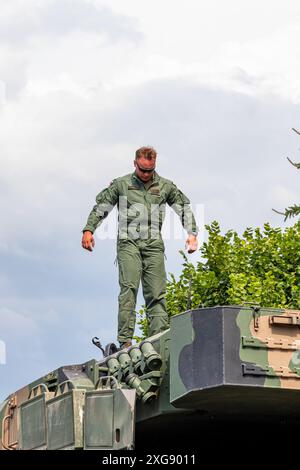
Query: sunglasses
144	170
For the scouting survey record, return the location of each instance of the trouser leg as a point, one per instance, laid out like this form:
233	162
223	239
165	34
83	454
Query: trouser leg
130	269
154	285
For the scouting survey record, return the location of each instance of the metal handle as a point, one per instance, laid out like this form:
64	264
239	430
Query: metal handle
108	378
290	320
5	442
61	388
38	390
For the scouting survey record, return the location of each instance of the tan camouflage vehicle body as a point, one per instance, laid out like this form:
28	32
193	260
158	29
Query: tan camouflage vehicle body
231	362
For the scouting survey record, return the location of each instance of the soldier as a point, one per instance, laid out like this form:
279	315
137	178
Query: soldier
141	198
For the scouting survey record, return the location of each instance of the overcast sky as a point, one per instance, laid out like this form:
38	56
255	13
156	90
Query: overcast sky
213	86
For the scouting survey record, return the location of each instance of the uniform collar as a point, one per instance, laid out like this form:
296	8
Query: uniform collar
155	178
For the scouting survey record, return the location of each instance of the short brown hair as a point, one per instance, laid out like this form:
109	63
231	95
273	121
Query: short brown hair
146	152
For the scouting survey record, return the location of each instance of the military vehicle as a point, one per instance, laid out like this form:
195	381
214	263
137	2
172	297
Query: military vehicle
214	365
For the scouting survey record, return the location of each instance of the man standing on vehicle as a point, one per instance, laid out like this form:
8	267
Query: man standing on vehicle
141	197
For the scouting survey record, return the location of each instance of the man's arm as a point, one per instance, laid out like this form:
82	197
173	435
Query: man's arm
105	200
181	205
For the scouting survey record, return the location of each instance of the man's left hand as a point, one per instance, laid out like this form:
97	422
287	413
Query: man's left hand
191	243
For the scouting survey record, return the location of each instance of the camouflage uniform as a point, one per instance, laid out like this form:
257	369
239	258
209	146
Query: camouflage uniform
140	248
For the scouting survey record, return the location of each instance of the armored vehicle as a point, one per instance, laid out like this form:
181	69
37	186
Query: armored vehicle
213	365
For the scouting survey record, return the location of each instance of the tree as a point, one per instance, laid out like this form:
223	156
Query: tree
261	267
294	210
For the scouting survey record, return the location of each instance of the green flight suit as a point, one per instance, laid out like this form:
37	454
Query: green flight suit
140	248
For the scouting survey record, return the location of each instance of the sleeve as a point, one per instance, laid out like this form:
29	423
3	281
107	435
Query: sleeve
105	202
180	203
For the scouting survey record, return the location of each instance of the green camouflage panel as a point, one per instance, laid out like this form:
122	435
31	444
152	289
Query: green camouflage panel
236	360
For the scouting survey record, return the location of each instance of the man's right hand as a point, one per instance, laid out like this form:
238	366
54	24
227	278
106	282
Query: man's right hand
88	241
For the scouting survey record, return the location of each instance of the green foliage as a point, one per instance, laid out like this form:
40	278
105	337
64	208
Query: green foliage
143	323
261	267
291	211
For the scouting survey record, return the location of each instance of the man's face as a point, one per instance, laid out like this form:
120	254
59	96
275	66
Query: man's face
144	168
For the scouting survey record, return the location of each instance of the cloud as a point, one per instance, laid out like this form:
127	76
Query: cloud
61	17
26	325
234	47
258	67
62	45
90	47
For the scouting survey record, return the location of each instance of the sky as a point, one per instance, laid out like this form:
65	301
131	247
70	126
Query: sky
213	86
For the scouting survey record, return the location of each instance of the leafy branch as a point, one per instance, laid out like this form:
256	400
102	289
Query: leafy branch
294	210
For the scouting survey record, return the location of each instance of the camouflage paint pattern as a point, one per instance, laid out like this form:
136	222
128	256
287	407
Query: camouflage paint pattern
183	335
276	346
231	360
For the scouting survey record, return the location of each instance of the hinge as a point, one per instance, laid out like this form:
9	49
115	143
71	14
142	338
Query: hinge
256	313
